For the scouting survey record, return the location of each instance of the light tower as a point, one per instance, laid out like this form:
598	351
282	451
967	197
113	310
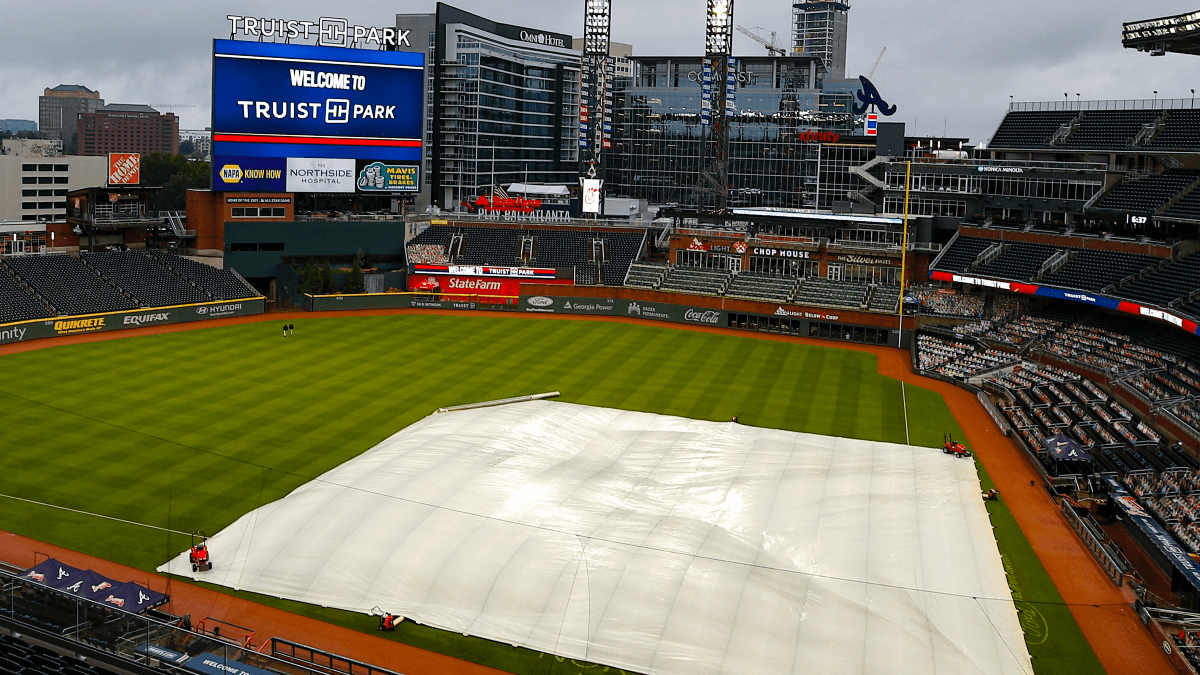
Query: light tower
713	185
594	110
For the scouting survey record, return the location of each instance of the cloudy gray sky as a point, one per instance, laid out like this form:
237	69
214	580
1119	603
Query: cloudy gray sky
950	64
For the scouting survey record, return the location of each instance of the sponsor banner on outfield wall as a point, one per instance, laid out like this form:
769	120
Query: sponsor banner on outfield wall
80	325
1074	296
435	283
540	274
701	316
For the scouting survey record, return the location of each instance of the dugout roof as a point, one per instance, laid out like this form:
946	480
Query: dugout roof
656	544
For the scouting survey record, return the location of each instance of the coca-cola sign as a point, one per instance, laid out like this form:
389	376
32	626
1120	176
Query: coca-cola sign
702	316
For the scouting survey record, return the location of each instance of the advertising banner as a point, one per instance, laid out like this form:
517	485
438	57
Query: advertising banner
1155	532
542	275
700	316
249	174
491	286
591	195
388	177
124	168
155	316
286	100
320	175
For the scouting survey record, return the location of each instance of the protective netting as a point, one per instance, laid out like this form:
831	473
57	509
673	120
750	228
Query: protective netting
656	544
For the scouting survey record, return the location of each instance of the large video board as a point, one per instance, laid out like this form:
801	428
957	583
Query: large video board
302	118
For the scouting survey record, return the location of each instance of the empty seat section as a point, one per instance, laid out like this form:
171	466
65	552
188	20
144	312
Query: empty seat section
1020	261
67	285
758	286
962	253
844	294
645	275
140	276
885	298
1147	194
1091	270
685	279
220	284
1161	287
16	304
1029	129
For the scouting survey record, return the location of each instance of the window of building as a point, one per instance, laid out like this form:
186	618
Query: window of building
46	205
29	193
59	180
29	205
29	167
45	167
62	167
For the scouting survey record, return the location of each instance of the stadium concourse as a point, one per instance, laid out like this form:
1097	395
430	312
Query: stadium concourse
1102	611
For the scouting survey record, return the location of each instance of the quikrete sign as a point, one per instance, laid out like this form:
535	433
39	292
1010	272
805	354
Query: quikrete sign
325	31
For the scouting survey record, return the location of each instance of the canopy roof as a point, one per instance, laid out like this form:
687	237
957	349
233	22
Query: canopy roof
655	544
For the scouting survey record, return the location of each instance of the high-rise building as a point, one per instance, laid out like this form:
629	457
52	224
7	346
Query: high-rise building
819	29
502	107
120	127
59	109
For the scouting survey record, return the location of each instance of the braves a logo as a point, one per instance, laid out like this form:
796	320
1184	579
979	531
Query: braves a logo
63	573
869	96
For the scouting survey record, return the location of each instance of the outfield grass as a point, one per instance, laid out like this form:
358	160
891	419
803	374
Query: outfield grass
190	430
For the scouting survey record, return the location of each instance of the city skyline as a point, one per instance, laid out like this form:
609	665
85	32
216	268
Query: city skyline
951	67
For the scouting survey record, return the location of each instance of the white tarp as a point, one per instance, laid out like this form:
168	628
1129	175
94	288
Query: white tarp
656	544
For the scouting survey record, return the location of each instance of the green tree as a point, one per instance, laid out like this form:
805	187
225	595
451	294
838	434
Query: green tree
327	279
354	282
310	279
175	174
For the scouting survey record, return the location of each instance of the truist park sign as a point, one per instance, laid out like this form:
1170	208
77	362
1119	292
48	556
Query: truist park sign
326	31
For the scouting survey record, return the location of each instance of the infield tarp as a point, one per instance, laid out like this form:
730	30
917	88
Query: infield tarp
656	544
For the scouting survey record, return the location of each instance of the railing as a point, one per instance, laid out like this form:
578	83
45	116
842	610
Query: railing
156	641
310	656
1127	104
1113	563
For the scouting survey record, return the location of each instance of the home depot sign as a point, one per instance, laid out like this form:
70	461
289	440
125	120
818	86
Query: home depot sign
124	168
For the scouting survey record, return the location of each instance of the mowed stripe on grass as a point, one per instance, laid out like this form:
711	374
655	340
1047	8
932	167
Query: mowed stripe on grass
190	430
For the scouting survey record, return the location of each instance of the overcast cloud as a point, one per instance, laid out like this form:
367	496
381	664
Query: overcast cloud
950	64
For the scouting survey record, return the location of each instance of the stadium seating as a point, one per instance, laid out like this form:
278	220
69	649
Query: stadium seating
843	294
757	286
16	304
1187	207
962	253
684	279
18	657
1180	131
645	275
885	298
143	278
1029	129
1091	270
1019	261
67	285
558	248
1148	194
220	284
1109	129
1175	281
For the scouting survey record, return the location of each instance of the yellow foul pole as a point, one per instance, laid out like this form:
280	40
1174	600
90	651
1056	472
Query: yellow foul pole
904	246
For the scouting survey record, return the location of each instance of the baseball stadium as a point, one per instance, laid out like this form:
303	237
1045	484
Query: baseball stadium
861	402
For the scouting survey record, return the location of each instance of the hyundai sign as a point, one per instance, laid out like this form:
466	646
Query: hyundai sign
302	102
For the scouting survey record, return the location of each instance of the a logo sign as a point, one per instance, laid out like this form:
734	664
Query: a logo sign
388	177
781	253
864	260
101	586
1001	169
124	168
145	318
870	98
119	602
541	301
741	247
249	174
543	39
702	316
818	137
326	31
591	195
507	204
696	245
806	315
306	174
74	326
12	334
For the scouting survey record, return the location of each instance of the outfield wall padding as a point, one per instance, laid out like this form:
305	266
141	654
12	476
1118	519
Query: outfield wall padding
59	326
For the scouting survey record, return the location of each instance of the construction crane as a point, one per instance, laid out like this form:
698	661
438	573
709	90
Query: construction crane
872	74
172	105
773	47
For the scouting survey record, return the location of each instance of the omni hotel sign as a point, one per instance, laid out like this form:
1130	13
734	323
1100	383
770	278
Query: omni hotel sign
326	31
